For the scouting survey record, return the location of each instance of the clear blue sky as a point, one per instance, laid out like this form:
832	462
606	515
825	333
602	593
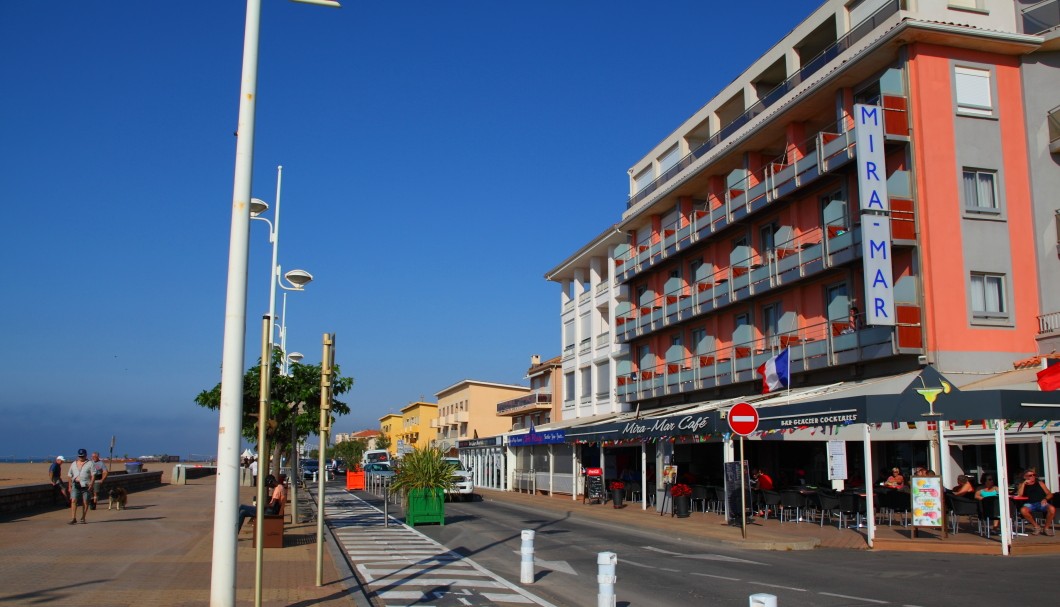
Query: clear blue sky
439	158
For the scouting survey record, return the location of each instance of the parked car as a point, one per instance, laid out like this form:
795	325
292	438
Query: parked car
309	468
379	469
463	485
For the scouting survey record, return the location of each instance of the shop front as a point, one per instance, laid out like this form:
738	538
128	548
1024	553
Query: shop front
485	457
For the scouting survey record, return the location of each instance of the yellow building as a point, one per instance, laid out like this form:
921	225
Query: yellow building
390	426
417	427
468	410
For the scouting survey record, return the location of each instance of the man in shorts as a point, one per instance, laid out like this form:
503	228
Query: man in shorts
1039	502
82	479
99	474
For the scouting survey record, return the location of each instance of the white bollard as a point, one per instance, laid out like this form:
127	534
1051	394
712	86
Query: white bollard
763	600
526	566
605	578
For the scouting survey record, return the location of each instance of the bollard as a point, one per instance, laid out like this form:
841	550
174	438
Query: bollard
386	509
178	475
526	566
763	600
605	578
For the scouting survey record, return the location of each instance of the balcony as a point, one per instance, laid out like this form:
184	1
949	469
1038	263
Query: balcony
1054	130
813	347
539	401
809	254
1041	17
811	67
826	152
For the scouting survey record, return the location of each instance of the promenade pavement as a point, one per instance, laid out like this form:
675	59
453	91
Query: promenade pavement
159	552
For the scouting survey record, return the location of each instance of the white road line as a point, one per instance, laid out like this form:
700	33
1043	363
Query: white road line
636	564
854	598
777	586
717	577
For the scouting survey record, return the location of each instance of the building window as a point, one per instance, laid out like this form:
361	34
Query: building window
568	386
587	382
980	191
669	159
643	178
973	91
771	324
988	296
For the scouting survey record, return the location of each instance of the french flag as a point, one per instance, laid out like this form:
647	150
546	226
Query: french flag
776	373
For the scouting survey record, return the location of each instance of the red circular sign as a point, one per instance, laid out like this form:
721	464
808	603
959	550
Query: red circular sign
743	419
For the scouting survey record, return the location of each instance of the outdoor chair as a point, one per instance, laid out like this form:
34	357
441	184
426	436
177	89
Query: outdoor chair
719	499
897	503
699	495
713	503
989	511
829	505
851	505
770	499
962	506
793	503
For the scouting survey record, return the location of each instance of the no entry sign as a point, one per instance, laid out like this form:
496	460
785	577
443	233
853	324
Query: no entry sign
743	419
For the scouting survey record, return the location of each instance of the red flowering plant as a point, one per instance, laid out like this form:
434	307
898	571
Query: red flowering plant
680	490
616	485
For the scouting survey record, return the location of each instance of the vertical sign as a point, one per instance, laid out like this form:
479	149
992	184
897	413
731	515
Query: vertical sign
926	494
876	257
837	460
872	167
875	221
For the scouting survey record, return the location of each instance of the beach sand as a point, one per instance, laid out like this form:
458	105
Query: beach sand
37	473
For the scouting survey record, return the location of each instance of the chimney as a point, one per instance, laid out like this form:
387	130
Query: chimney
535	360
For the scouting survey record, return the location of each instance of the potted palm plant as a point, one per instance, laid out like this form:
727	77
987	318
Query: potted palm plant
423	478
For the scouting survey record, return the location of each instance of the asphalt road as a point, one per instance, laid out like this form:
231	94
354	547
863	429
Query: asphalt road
658	571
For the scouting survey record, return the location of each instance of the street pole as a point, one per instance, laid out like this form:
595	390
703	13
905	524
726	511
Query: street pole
263	423
326	362
226	495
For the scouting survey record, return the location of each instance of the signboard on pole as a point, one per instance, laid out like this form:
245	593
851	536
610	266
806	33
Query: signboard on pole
837	460
743	419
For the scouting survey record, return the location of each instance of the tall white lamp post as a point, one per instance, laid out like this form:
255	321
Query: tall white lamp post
229	427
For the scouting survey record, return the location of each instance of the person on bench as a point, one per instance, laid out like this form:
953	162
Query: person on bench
275	505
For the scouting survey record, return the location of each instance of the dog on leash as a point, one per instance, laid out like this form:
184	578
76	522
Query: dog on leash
118	497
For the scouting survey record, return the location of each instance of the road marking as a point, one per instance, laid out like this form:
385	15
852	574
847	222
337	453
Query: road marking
717	577
703	557
854	598
636	564
668	569
777	586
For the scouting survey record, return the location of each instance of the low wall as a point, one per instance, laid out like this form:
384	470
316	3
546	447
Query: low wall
37	497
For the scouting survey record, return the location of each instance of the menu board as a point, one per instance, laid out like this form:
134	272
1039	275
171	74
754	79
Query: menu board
837	460
926	494
594	485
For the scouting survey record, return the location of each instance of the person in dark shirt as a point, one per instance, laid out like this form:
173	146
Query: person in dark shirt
55	474
1038	502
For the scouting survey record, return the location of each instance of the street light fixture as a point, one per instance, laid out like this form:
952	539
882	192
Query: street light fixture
226	495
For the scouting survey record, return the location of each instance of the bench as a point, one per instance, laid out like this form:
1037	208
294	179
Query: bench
272	531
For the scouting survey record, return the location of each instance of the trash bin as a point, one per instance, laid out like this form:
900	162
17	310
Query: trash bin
134	467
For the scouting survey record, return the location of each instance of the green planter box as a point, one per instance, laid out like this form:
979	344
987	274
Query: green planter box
425	506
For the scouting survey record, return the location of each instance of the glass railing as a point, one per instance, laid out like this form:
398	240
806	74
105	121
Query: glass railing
811	67
528	401
1041	17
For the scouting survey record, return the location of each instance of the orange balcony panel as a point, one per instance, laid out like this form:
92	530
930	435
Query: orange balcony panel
647	375
740	270
786	341
910	337
619	262
671	368
907	315
834	231
701	214
704	286
903	226
645	311
668	233
671	299
706	361
741	352
895	115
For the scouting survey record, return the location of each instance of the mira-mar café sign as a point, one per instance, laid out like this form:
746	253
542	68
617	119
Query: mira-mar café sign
674	425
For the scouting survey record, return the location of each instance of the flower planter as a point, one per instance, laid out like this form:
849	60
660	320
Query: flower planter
617	496
425	506
682	506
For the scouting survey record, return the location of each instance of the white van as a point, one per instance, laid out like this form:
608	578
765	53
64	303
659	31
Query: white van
372	456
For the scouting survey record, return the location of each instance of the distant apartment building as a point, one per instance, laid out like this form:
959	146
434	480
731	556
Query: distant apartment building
390	427
468	410
370	437
417	430
542	404
592	355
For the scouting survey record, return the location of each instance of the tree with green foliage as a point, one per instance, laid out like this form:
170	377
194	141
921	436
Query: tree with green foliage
294	401
350	451
382	442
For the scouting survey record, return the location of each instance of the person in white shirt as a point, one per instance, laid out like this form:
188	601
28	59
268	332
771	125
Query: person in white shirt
99	474
82	479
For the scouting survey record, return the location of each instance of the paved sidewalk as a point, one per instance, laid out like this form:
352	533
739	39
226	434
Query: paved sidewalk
158	552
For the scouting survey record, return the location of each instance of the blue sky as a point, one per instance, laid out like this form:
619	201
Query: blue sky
439	158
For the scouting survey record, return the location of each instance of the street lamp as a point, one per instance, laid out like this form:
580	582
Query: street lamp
226	495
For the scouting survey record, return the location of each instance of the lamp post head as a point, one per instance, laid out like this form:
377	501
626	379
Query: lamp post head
258	206
299	278
295	357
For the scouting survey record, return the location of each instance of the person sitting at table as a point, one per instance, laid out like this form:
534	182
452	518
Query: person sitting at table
763	482
1038	501
989	489
895	480
964	486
